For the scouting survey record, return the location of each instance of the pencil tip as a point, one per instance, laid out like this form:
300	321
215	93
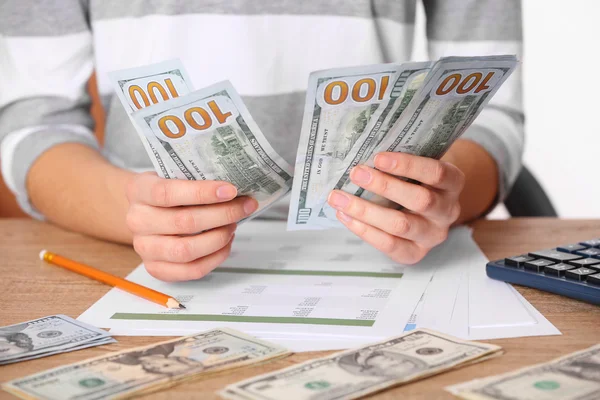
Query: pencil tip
182	306
42	254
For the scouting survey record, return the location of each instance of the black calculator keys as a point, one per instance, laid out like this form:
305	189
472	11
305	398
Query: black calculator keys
571	248
589	252
557	270
585	262
593	279
537	265
555	255
579	274
591	243
517	261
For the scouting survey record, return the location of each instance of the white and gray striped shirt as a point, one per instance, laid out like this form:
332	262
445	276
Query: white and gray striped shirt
266	48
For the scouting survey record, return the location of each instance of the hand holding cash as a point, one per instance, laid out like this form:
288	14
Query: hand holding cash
183	228
160	209
370	142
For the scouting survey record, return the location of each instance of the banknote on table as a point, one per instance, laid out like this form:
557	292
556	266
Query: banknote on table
141	87
46	336
355	373
147	369
340	103
453	93
572	377
210	135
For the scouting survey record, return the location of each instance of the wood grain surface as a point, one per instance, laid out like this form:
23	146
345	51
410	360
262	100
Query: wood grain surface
31	289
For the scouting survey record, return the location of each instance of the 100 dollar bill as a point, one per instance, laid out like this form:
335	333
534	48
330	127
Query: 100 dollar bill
354	373
144	86
146	369
453	94
340	104
405	83
210	135
572	377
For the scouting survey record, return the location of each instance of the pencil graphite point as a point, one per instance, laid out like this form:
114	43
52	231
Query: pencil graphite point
182	306
42	254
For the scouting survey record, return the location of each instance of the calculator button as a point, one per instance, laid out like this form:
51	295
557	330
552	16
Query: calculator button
571	248
537	265
517	261
593	279
595	267
557	269
555	255
584	262
590	252
579	274
591	243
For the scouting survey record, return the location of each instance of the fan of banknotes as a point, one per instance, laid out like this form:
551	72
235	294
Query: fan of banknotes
350	115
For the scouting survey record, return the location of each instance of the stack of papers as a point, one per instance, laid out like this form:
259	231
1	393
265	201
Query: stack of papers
323	291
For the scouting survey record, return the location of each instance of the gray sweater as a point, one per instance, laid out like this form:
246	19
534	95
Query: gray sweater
48	50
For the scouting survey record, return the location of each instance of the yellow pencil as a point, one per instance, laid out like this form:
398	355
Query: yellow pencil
111	280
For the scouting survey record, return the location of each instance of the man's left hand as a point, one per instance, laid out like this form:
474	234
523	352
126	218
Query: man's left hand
429	209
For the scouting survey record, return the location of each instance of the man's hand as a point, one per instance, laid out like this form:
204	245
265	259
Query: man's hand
183	229
430	209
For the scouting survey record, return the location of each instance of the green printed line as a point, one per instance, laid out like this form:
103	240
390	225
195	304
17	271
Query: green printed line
307	272
241	318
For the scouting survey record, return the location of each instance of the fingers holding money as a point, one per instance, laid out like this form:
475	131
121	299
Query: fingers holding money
149	189
183	229
196	269
405	236
148	220
398	249
397	223
437	174
183	249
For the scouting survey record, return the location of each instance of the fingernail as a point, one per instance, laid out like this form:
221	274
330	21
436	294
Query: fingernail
360	175
384	162
250	206
226	192
338	200
343	217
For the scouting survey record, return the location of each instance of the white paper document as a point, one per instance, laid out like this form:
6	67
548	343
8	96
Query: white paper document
462	301
324	290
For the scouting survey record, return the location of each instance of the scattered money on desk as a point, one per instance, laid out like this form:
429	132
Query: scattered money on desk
147	369
351	114
356	373
575	376
47	336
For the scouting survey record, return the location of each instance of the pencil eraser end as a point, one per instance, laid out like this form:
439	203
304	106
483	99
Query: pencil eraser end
42	254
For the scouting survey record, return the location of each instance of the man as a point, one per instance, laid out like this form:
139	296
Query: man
51	161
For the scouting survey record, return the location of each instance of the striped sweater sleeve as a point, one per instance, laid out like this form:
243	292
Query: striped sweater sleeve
45	62
482	27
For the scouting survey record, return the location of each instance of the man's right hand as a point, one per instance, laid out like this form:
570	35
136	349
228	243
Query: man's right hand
166	216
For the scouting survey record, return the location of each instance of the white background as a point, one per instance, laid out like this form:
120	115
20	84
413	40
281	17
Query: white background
561	66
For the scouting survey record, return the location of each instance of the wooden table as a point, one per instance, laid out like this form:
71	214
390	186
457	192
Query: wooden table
31	289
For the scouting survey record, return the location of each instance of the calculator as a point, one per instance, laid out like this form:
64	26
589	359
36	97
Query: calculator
572	270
